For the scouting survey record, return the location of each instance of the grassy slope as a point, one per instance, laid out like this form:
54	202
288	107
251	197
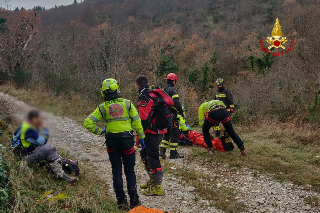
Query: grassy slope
27	185
285	154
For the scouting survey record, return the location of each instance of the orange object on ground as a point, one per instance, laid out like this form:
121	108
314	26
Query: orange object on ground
197	139
219	144
141	209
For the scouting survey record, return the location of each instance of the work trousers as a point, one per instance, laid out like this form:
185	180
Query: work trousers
47	152
213	118
171	138
150	154
121	151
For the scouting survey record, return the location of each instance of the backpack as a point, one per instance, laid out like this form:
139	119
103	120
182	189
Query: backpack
161	116
69	166
16	139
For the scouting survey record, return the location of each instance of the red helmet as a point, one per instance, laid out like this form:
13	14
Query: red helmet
172	77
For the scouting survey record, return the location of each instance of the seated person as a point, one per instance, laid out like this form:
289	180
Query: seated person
32	137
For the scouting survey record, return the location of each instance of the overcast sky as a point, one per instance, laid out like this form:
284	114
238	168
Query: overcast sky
31	3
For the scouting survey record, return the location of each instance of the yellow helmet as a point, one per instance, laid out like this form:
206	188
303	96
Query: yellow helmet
109	85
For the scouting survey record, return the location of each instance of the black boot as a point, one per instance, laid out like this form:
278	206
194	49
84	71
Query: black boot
175	155
163	152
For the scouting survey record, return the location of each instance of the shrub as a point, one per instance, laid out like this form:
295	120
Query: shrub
21	77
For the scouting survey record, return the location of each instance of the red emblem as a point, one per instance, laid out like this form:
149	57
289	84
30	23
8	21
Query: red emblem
116	110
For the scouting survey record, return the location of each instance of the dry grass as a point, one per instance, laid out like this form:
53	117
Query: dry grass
275	150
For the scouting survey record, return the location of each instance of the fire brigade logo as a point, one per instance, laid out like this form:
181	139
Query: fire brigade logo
276	41
116	110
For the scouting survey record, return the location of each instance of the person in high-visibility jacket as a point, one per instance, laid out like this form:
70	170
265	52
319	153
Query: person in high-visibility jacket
120	118
31	138
211	114
182	122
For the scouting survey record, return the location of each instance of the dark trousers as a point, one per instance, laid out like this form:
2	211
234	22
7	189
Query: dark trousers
213	119
121	151
171	138
150	154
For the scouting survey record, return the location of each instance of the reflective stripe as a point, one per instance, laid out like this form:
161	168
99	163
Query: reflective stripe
175	96
165	142
117	119
135	118
103	111
217	128
201	120
174	144
228	110
128	104
173	148
93	118
182	124
222	95
231	106
164	145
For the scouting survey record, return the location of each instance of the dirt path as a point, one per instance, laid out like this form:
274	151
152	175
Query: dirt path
258	192
67	135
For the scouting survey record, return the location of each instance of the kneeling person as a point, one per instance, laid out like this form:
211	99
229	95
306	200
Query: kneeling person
32	137
211	114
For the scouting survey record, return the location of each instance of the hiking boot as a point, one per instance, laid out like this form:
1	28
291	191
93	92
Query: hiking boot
56	168
134	205
156	190
156	187
244	153
163	152
146	185
175	155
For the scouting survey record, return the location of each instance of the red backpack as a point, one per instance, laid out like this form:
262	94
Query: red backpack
161	116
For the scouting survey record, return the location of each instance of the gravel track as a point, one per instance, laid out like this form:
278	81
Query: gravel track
84	146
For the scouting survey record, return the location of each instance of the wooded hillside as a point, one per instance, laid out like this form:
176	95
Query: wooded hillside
73	48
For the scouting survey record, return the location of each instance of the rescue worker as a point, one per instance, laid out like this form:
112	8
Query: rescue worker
224	95
182	123
171	138
120	117
32	137
153	136
211	114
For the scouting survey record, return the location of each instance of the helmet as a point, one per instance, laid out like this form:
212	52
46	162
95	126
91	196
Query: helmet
109	85
172	77
219	81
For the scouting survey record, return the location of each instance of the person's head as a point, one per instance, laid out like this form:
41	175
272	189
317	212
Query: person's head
142	81
219	83
172	78
35	117
110	89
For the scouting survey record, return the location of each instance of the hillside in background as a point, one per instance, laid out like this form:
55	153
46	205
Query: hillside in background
73	48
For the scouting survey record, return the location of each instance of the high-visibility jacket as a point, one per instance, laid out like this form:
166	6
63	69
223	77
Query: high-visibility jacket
119	115
225	96
207	107
182	123
31	137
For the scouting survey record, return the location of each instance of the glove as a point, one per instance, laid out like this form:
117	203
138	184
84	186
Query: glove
188	127
103	131
141	143
231	110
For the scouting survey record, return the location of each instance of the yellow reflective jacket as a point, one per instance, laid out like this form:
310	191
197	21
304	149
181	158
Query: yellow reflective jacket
182	123
119	116
207	107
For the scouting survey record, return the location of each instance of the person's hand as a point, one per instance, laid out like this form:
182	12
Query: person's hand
244	153
231	110
141	143
103	131
188	127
